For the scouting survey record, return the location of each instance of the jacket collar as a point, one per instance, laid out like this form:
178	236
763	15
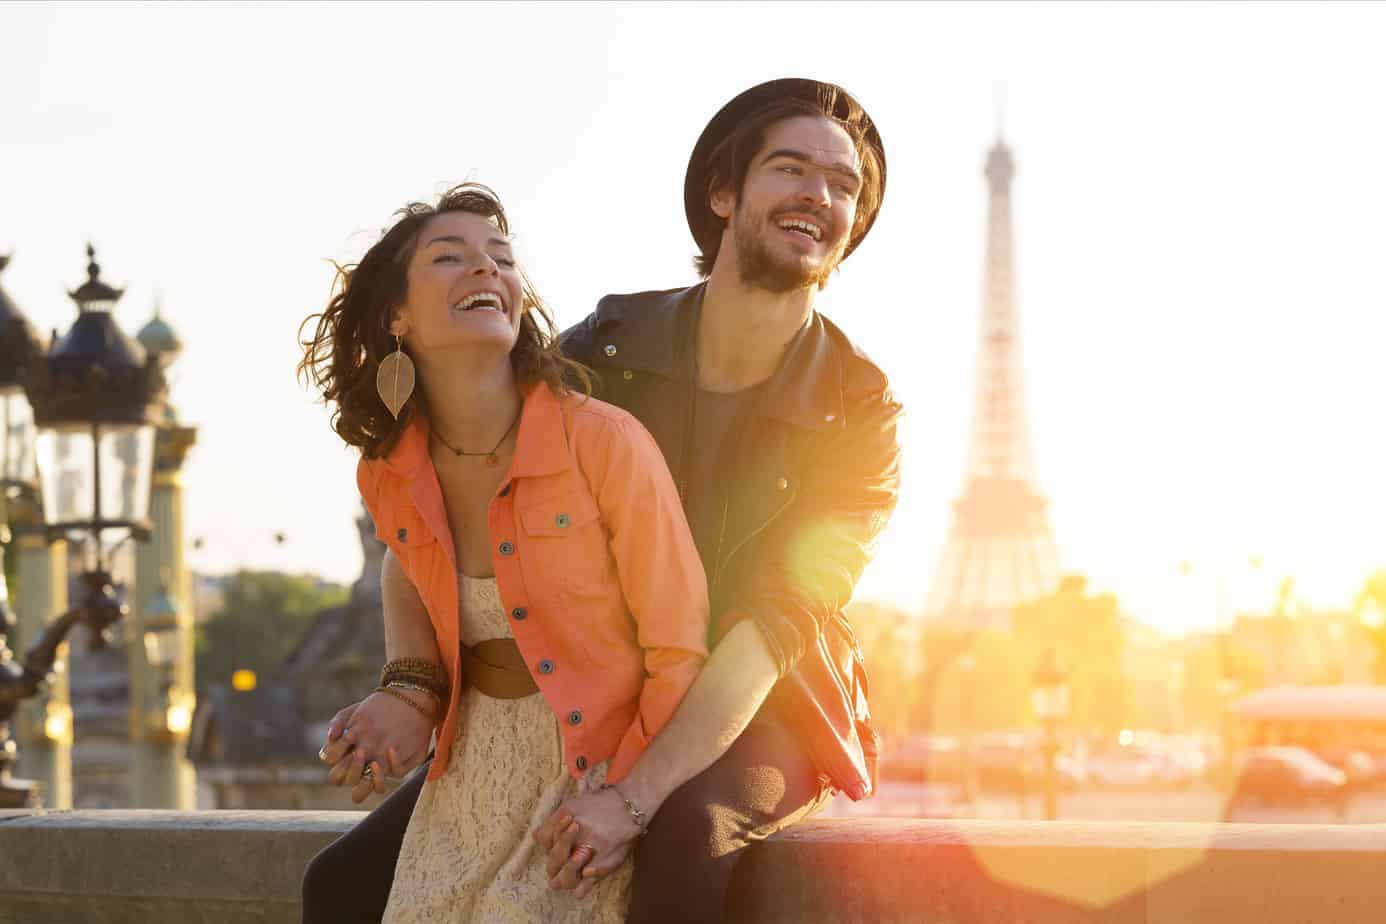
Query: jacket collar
541	448
656	332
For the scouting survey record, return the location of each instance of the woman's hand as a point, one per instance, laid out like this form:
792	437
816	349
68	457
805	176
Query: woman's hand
380	732
599	820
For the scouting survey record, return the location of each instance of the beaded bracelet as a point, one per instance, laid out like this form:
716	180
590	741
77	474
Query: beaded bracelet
428	680
404	699
426	670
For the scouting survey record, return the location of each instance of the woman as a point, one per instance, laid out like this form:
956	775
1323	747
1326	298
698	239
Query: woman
537	541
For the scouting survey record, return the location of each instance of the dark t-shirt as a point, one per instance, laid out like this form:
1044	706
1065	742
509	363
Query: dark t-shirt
715	424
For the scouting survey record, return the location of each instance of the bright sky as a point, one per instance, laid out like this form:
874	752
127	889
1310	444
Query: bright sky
1199	205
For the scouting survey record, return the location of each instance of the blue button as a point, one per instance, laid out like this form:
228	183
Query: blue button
561	521
575	717
507	547
403	534
581	762
519	612
546	666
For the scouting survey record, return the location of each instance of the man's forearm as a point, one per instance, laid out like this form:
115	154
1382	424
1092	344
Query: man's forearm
737	677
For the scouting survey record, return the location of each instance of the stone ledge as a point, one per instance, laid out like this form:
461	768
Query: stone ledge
220	867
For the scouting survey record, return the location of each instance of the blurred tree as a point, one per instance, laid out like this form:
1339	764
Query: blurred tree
886	636
1206	688
940	647
1085	632
1371	613
262	618
989	691
1241	665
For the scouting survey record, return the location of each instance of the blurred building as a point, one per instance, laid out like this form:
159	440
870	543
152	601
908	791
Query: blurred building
1305	646
257	748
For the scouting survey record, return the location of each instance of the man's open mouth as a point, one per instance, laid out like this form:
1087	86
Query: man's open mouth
801	226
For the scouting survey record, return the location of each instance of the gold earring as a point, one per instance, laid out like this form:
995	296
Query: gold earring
394	380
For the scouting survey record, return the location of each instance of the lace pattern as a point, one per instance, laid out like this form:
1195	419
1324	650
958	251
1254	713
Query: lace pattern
468	854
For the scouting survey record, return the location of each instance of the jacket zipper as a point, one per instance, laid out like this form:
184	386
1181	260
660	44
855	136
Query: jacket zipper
751	535
717	557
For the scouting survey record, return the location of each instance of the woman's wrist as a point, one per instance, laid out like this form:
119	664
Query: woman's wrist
422	703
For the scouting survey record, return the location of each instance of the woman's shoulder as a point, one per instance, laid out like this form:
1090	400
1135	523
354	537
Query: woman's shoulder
604	433
593	417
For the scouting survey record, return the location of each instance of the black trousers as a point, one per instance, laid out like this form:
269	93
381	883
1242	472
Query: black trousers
683	865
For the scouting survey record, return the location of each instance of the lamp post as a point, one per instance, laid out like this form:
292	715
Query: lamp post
95	396
20	350
1049	701
967	670
160	655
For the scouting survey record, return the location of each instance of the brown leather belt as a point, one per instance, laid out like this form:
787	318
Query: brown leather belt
496	668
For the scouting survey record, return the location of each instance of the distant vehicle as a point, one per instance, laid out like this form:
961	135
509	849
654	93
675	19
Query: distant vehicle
1014	761
1149	760
1129	767
1343	724
1287	775
921	759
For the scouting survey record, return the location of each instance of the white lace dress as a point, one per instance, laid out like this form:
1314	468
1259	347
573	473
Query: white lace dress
469	852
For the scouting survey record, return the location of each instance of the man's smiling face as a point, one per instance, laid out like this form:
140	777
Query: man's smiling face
794	217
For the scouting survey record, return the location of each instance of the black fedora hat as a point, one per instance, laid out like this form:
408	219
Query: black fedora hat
701	219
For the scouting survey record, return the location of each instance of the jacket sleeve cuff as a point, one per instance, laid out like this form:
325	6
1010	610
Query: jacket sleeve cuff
783	639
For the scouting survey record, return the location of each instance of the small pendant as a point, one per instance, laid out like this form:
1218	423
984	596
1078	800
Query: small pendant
491	458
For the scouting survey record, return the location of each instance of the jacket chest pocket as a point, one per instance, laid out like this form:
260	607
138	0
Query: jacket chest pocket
414	545
564	544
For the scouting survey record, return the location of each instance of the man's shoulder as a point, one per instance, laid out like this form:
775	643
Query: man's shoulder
861	377
620	309
619	306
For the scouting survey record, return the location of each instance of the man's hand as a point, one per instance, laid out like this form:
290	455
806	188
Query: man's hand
598	819
380	732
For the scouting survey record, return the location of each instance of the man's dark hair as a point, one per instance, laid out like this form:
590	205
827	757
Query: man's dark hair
730	161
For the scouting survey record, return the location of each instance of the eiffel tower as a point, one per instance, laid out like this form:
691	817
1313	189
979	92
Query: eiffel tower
1000	551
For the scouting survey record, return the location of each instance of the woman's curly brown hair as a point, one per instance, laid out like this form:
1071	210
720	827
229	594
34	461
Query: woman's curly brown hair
351	334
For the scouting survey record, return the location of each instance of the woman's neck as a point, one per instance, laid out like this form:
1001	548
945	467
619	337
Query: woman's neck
472	399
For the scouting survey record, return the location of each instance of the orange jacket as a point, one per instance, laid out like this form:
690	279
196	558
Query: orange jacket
600	580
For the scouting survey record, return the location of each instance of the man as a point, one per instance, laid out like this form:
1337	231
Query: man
782	439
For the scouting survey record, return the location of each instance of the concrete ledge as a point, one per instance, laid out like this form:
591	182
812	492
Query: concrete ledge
133	867
116	867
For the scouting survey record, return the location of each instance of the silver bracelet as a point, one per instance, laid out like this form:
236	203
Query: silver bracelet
636	815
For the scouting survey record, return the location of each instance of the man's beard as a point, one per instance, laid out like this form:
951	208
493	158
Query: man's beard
760	268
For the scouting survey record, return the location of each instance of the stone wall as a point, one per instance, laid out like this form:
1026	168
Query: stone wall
122	867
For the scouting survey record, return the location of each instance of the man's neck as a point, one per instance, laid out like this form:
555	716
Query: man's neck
743	330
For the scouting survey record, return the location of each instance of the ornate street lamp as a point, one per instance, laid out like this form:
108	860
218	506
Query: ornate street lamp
95	396
20	351
1049	701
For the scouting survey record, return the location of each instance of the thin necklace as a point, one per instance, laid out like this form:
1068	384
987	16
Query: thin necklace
490	456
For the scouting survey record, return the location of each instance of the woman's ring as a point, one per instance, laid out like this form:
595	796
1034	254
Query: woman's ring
367	772
322	752
587	849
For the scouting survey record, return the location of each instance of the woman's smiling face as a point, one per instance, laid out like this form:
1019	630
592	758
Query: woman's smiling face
464	289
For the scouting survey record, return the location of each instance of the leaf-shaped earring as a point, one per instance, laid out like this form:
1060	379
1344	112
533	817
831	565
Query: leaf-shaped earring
394	380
